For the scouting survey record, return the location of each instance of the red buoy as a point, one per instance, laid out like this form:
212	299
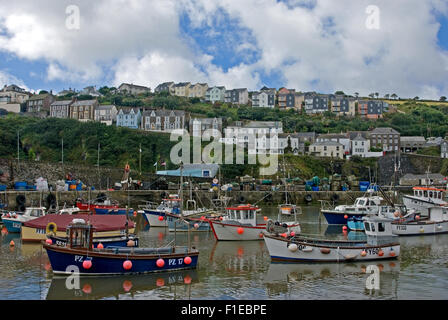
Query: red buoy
100	246
240	230
135	213
265	218
344	228
87	264
49	241
202	218
127	285
284	235
187	260
381	253
160	263
292	234
160	218
261	235
160	282
196	226
187	279
345	216
11	243
127	265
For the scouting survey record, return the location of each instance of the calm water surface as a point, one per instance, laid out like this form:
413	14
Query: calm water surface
238	270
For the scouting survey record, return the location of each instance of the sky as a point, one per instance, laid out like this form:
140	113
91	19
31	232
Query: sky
362	46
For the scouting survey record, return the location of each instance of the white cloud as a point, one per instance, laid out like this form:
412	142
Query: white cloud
318	45
7	79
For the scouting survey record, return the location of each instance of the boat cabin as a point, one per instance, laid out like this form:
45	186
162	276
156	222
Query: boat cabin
431	193
35	212
244	214
80	234
438	214
368	201
378	230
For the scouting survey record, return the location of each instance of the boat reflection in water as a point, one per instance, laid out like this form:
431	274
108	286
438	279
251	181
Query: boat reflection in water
238	257
288	279
94	288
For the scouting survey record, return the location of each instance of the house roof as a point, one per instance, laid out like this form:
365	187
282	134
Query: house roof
359	137
62	103
353	134
164	113
128	111
134	86
105	107
182	84
85	103
39	96
413	139
385	130
332	136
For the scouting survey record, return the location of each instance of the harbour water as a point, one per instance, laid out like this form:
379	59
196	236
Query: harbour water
238	270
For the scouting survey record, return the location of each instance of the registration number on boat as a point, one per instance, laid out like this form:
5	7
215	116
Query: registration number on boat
403	228
16	225
174	262
373	251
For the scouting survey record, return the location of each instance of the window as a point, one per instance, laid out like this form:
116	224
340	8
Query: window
381	227
367	226
372	225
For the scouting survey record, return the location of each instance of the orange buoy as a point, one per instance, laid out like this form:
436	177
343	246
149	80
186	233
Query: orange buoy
135	213
381	253
160	263
127	265
284	235
265	218
11	243
187	260
87	264
100	246
363	253
240	230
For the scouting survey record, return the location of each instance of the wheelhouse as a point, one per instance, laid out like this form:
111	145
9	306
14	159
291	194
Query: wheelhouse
245	214
432	193
80	234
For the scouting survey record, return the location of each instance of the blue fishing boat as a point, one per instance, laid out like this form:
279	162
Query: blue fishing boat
80	255
183	224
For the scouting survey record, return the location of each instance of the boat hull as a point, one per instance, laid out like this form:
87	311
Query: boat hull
194	225
420	205
306	252
153	216
12	225
229	232
63	261
339	217
110	211
355	225
419	228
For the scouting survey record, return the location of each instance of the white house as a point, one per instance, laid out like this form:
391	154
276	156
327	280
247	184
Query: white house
215	94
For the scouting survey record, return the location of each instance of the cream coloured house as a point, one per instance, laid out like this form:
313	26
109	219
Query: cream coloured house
197	90
330	149
182	89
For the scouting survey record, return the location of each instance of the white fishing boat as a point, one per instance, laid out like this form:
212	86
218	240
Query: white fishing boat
242	223
156	216
381	244
424	198
436	222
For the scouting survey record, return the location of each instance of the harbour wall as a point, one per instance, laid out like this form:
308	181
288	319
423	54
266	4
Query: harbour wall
134	198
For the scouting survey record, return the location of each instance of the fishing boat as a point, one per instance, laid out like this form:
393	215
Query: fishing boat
394	212
106	226
241	223
13	221
182	224
424	198
114	260
381	244
105	207
156	216
436	222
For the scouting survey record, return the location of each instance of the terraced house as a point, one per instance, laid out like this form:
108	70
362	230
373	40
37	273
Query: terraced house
372	109
286	99
237	96
165	87
129	118
215	94
61	109
343	106
316	103
106	114
265	98
83	110
182	89
197	90
39	105
163	120
386	138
